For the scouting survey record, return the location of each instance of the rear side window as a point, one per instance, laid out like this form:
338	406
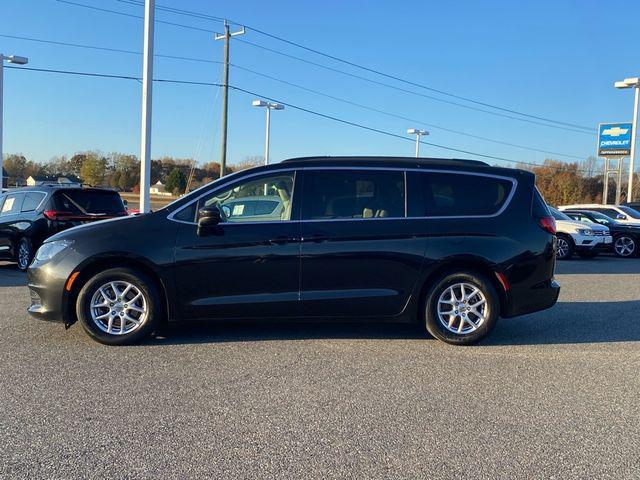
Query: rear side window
352	194
539	207
435	194
12	204
609	212
88	201
32	200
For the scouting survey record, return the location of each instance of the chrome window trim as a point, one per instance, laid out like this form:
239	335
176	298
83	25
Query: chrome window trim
506	204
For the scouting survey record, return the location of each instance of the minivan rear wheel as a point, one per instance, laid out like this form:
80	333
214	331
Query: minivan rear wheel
461	308
119	306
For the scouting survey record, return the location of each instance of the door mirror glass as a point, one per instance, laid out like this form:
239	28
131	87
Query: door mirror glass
621	217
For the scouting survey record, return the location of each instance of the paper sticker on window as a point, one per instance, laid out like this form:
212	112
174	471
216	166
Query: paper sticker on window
8	204
238	209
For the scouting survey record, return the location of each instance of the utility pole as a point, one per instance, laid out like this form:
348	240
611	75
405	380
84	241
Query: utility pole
18	61
226	36
145	127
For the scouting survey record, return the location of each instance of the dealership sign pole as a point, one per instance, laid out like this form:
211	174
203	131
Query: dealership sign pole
614	142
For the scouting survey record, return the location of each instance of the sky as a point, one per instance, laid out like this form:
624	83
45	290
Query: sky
553	59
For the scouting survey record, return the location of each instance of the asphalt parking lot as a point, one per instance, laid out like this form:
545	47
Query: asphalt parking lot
550	395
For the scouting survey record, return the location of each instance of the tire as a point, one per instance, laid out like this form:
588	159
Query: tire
625	246
24	254
565	247
145	309
440	324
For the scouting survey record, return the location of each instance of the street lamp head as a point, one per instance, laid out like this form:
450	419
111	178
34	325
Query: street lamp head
259	103
416	131
632	82
17	60
276	106
620	85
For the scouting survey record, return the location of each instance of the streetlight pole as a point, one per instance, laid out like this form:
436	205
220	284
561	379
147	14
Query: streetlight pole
635	84
226	36
269	106
418	133
145	127
18	61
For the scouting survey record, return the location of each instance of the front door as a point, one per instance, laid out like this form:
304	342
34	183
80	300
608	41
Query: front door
359	255
247	265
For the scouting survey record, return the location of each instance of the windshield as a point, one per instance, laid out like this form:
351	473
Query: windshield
630	212
602	218
558	215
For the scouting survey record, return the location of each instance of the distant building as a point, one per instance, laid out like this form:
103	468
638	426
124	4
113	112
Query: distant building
35	180
159	189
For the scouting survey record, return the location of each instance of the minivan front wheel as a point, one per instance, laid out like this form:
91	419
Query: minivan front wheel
119	306
461	308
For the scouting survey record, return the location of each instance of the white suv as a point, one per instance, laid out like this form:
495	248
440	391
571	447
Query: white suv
577	237
621	213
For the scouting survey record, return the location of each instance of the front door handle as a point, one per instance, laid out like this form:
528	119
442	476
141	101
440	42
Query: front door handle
283	239
316	238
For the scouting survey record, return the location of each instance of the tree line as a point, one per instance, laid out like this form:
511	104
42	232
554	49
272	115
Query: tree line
121	171
559	182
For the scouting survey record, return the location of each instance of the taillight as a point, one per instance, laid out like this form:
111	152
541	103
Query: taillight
548	224
56	214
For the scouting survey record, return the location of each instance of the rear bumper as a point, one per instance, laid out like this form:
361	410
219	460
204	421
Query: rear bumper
539	297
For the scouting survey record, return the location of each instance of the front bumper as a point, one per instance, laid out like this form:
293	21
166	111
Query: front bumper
46	284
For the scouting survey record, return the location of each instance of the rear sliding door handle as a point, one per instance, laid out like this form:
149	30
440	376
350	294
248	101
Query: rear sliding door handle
316	238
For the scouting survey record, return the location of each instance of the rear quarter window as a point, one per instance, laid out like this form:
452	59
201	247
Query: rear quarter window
443	194
32	200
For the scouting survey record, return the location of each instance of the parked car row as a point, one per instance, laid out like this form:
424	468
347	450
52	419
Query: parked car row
590	229
30	215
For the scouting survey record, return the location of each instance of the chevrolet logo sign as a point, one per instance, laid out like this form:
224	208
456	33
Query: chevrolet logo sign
615	131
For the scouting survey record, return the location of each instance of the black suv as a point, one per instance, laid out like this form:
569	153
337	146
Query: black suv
450	244
30	215
626	238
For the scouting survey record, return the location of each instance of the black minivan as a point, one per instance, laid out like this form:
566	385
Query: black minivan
29	215
450	244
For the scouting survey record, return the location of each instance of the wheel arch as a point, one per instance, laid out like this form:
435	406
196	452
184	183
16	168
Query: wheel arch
94	265
467	264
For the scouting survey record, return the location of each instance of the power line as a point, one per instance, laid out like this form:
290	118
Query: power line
301	87
290	105
108	49
362	67
585	130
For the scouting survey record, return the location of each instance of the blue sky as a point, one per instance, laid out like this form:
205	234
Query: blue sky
555	59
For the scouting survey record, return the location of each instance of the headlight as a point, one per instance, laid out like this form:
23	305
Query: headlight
585	231
50	249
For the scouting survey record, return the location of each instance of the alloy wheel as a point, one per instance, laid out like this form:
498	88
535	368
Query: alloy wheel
625	246
563	248
118	308
462	308
23	255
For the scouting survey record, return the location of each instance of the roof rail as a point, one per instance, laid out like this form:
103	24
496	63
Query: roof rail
387	158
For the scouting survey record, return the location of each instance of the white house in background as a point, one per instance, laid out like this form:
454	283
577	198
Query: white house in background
35	180
158	189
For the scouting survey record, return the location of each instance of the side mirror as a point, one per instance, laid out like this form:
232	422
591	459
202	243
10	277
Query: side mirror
126	203
208	218
621	217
